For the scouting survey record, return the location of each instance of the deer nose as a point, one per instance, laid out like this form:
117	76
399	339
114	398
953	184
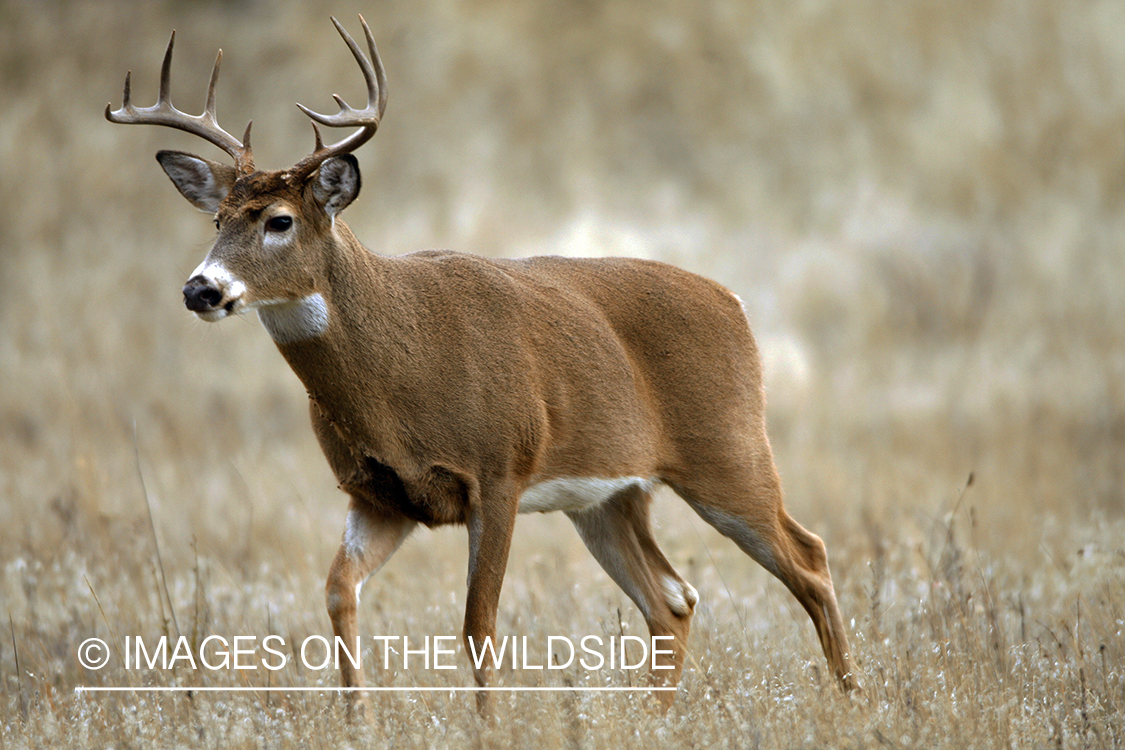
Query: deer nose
200	294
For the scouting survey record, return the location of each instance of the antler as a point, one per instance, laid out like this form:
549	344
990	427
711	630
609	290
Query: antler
367	118
204	125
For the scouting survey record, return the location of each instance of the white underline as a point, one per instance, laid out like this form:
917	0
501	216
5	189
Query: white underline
452	689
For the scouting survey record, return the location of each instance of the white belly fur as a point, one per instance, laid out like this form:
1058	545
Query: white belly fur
575	494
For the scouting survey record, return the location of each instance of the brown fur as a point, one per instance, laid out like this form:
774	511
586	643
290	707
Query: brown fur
445	385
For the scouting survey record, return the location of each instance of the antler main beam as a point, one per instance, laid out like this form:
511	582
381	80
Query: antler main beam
204	125
367	118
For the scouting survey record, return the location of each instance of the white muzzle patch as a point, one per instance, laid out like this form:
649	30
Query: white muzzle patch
231	288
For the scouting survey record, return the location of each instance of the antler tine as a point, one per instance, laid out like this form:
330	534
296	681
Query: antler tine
367	118
209	107
166	72
319	141
204	125
125	97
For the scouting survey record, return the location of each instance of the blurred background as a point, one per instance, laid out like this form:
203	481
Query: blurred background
919	202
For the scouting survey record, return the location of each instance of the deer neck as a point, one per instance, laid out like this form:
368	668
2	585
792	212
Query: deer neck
343	334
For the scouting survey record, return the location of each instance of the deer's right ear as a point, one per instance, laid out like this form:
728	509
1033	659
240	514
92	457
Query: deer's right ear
203	182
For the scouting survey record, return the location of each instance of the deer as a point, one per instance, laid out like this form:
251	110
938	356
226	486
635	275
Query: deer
449	388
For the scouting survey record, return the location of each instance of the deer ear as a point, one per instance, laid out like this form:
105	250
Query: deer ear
337	183
203	182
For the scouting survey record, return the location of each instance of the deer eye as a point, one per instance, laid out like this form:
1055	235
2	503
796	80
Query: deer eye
279	224
216	222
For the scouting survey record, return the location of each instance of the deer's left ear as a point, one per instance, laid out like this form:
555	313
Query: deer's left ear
337	183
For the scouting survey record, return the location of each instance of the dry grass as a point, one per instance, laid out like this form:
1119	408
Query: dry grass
919	202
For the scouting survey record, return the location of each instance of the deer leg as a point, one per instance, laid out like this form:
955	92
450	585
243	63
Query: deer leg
370	538
746	506
490	538
618	534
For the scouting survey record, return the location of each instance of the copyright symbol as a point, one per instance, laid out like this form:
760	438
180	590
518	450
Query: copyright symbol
93	653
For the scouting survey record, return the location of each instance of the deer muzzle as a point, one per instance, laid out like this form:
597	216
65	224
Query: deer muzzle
201	294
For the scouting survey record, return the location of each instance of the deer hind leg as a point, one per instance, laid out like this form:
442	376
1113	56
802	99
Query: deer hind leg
370	538
746	506
619	536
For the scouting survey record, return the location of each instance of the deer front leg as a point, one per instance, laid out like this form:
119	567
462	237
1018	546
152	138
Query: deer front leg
490	537
370	538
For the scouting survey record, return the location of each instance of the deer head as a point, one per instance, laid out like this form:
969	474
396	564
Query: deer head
269	222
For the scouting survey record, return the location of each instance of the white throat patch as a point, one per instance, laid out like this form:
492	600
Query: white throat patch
289	322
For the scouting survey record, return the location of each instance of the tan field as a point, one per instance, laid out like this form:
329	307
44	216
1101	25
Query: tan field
921	204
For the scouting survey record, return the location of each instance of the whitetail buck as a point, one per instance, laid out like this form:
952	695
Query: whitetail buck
453	389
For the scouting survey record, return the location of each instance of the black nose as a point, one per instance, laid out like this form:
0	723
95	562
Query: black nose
200	295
